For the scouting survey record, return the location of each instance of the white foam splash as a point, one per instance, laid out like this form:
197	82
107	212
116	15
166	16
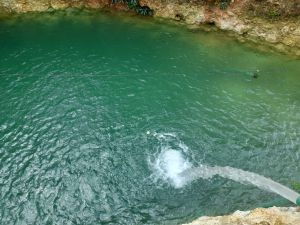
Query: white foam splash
164	136
241	176
169	164
174	167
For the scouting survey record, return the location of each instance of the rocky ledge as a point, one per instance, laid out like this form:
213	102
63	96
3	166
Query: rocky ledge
260	216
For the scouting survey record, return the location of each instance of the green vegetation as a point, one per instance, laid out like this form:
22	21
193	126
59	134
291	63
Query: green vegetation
274	13
223	4
135	5
296	186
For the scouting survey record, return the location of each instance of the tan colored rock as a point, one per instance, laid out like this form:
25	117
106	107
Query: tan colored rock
187	12
282	36
260	216
32	5
97	4
232	24
271	37
59	4
289	41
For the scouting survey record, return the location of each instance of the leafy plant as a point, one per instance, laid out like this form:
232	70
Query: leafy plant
144	10
274	13
224	4
134	4
296	185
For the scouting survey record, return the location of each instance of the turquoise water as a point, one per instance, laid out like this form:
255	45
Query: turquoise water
90	102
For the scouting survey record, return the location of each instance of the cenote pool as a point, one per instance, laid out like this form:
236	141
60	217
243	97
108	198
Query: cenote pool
98	110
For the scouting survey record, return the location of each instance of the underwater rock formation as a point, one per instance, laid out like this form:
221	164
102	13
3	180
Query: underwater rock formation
260	216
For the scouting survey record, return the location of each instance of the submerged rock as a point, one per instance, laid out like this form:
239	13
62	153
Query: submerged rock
260	216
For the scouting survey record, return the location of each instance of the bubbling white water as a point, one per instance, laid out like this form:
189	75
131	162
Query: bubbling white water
170	160
169	164
174	167
240	176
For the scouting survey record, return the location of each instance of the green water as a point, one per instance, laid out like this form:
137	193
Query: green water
89	100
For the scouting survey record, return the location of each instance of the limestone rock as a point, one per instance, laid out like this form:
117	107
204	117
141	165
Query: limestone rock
59	4
260	216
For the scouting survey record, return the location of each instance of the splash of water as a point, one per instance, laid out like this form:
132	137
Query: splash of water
173	167
170	158
169	164
240	176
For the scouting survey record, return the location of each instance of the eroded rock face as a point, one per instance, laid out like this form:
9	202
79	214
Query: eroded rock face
271	216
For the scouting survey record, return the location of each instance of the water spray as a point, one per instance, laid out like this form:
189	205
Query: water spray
173	167
241	176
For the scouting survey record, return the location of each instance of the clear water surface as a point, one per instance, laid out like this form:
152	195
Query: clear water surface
89	101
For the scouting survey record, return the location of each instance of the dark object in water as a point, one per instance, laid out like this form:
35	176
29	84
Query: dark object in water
255	74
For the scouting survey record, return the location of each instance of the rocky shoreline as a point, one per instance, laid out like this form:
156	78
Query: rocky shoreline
260	216
282	35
